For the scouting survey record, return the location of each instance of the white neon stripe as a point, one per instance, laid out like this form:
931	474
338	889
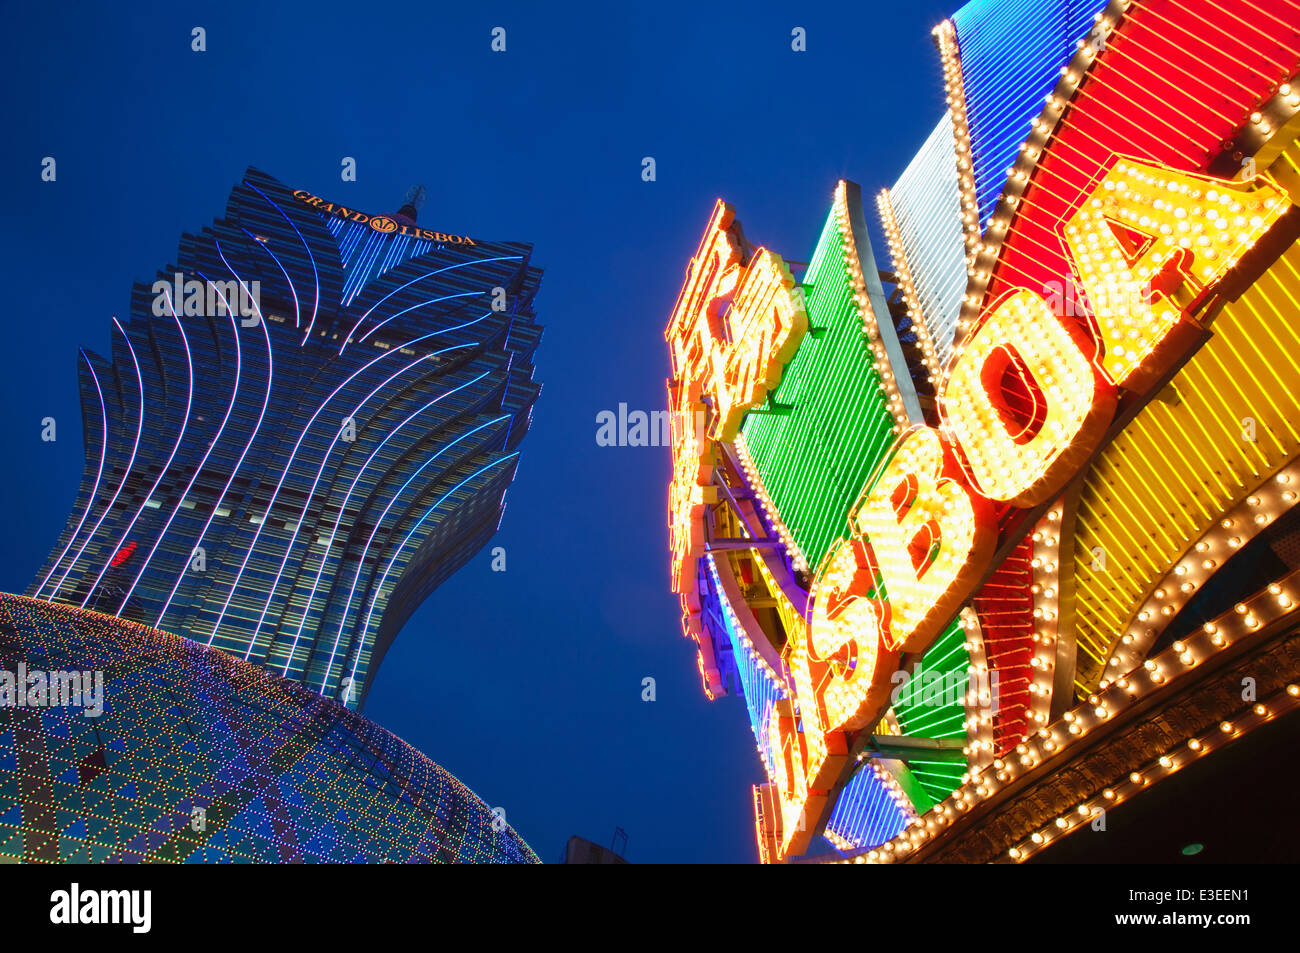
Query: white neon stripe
139	429
90	500
189	399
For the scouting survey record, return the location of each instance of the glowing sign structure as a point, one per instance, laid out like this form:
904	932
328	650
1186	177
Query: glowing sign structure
1154	242
1024	407
735	326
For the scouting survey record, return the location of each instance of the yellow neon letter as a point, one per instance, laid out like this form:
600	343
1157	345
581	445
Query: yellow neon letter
1146	242
1024	402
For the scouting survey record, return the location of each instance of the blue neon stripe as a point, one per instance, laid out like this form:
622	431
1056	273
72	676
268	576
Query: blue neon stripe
760	690
1012	52
866	815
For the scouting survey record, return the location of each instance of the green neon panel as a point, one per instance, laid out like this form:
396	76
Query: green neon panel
945	669
815	460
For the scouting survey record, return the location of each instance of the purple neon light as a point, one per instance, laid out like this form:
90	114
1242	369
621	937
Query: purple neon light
315	305
257	428
212	445
265	245
90	500
139	430
189	399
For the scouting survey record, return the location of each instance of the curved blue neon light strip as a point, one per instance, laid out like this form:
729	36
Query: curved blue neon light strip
329	544
283	473
380	588
461	264
463	294
356	578
316	482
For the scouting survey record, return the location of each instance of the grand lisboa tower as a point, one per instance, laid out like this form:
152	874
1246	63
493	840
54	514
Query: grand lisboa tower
304	427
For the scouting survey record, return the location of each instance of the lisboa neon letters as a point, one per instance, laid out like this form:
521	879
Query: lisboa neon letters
1023	403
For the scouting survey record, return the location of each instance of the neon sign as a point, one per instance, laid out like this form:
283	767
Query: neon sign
734	327
1023	405
1136	188
384	224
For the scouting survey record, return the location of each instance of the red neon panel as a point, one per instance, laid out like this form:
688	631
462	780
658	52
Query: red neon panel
1174	83
1005	608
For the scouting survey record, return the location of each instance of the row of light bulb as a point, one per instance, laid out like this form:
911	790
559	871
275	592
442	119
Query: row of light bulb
903	274
1055	741
870	320
1249	517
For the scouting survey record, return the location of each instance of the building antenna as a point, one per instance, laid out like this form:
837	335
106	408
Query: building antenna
415	197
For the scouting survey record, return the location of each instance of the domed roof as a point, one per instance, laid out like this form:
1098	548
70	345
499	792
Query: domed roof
197	756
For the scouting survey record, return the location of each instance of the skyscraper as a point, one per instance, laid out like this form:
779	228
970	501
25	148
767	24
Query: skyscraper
305	426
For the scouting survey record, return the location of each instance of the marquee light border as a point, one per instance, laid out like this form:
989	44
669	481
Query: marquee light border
1048	518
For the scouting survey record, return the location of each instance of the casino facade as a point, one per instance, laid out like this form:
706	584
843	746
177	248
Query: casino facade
997	534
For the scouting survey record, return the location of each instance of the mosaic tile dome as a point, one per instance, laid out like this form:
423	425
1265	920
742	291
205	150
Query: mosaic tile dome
199	757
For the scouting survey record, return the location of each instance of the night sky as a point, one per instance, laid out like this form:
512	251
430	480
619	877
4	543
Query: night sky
525	684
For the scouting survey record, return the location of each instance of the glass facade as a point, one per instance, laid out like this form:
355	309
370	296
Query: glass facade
304	427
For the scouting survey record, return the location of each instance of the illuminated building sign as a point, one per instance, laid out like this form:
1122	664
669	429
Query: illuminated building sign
733	329
384	224
1155	242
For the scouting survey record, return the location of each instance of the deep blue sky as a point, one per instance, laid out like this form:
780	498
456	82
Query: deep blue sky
527	684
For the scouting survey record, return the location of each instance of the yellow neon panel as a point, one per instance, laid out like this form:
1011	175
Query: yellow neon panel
1229	420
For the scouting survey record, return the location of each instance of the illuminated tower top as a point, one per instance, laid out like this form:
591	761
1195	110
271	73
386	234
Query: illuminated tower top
304	427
